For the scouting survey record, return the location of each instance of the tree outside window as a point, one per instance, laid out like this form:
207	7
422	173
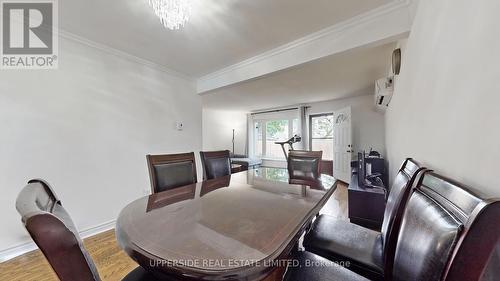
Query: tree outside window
321	134
269	131
276	130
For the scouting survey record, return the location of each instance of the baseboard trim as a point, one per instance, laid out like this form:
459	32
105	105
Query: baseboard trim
26	247
16	251
98	229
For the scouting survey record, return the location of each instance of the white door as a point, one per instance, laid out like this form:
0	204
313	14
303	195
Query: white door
342	144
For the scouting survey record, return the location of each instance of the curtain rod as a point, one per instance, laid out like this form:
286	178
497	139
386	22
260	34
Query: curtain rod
277	110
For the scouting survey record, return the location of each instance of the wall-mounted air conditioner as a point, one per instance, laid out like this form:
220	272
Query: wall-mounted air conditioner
384	88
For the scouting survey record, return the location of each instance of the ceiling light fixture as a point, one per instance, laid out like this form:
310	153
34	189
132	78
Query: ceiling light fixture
173	14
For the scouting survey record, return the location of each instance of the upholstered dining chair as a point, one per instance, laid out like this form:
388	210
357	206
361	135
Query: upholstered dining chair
367	250
169	171
304	167
52	229
215	164
447	233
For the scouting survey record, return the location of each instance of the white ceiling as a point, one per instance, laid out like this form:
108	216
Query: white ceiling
220	32
342	75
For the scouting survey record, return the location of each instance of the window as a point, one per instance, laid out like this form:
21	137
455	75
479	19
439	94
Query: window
269	131
276	130
321	134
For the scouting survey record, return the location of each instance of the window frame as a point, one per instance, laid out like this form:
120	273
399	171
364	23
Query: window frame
263	122
310	139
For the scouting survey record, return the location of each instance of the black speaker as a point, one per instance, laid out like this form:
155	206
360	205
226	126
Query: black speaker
396	61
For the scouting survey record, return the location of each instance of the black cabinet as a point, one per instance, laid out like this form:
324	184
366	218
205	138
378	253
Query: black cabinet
366	205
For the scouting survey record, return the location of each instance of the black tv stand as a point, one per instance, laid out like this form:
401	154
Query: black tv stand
366	205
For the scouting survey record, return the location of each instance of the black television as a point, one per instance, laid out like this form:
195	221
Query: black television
361	169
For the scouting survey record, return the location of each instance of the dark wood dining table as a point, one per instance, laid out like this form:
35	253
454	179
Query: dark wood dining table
237	227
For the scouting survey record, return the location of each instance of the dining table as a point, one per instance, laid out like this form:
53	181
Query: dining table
242	226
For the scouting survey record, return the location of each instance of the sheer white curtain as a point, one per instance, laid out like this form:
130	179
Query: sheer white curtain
304	144
250	145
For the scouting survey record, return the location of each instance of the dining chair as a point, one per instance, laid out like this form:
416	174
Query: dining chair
52	229
367	250
169	171
447	233
304	167
215	164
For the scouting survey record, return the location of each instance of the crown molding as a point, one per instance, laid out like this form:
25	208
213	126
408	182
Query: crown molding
26	247
337	28
397	10
124	55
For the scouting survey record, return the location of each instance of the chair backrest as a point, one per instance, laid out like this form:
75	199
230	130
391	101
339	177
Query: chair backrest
396	201
488	273
54	232
478	248
215	164
304	166
438	218
171	170
478	257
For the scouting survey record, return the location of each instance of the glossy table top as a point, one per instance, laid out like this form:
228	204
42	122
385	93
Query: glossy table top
221	225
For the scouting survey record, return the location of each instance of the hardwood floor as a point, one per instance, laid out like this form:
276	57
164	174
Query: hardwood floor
336	206
112	263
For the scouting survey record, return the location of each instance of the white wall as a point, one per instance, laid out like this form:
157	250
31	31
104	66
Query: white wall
86	128
446	108
368	128
218	128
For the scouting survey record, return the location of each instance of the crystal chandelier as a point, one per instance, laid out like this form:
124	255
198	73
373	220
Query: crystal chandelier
173	14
